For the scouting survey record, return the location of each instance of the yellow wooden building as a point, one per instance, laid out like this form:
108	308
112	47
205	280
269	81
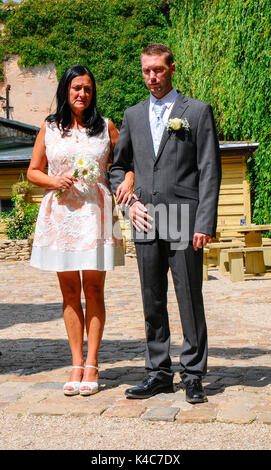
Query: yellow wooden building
234	198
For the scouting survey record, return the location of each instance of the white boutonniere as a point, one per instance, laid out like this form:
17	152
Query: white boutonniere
177	124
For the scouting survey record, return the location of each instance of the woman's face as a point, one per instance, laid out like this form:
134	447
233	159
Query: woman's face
80	93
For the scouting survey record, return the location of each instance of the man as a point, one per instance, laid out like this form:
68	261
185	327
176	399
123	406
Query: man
177	178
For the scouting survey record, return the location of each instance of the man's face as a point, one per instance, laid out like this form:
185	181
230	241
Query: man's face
157	74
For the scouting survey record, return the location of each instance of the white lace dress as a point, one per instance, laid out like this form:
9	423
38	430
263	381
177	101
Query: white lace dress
79	230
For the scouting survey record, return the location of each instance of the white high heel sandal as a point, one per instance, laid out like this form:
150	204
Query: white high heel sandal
92	387
75	385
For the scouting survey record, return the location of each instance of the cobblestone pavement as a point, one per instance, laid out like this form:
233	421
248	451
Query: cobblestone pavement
35	360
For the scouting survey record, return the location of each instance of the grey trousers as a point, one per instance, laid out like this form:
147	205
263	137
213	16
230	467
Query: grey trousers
154	260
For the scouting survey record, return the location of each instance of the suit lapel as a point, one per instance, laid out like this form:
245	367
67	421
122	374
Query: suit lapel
179	107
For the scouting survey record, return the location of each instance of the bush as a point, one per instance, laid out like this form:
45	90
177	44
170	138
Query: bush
222	50
20	221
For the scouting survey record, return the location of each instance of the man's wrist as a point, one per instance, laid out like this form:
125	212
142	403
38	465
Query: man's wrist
126	207
133	200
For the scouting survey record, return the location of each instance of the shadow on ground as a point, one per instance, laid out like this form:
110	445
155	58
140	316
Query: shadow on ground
14	314
27	356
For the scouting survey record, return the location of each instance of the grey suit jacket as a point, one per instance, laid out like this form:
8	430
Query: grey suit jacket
185	176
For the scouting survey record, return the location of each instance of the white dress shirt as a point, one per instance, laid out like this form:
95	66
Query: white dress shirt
169	101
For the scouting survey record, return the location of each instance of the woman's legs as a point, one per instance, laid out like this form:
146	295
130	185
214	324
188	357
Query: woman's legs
93	287
70	285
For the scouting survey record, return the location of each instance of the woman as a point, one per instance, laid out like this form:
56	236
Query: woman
74	227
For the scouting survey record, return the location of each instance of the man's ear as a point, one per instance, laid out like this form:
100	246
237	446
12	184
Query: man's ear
173	68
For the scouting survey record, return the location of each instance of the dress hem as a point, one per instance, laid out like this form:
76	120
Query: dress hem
104	258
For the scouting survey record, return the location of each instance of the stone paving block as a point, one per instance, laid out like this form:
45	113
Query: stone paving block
11	391
171	396
4	404
130	402
255	390
157	403
5	377
197	414
264	418
235	389
261	408
18	408
54	405
48	385
236	412
26	401
46	409
182	405
10	388
33	378
88	410
160	414
134	411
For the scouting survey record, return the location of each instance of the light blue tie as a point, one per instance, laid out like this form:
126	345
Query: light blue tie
159	109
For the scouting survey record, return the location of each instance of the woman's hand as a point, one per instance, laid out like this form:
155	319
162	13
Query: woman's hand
125	190
63	182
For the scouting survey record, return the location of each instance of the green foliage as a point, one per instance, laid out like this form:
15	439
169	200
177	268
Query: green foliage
20	221
22	188
222	49
106	36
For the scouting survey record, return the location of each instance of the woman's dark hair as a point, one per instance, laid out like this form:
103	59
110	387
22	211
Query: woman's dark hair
92	119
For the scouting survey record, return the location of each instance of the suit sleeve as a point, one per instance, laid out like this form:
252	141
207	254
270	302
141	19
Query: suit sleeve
123	156
209	171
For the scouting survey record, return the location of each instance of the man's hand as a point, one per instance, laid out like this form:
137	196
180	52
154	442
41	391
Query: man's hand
200	240
139	216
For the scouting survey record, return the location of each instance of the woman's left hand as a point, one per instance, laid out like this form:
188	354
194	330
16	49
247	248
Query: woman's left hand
125	190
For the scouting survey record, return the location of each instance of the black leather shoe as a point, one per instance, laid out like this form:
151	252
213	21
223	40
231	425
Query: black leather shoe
148	388
195	392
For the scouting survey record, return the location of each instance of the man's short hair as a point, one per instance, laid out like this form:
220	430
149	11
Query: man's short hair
159	49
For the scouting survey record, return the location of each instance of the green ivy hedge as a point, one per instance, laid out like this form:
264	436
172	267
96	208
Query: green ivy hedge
222	49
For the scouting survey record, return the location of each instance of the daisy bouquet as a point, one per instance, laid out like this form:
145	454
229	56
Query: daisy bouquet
85	168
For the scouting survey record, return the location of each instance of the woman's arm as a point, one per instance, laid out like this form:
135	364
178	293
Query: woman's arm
124	191
35	172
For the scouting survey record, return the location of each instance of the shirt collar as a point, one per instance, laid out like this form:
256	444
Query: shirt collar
168	99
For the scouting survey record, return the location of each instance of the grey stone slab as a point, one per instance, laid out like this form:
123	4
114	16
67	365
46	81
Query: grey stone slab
49	385
160	414
14	388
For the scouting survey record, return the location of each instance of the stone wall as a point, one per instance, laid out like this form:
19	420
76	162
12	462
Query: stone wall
32	91
15	250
